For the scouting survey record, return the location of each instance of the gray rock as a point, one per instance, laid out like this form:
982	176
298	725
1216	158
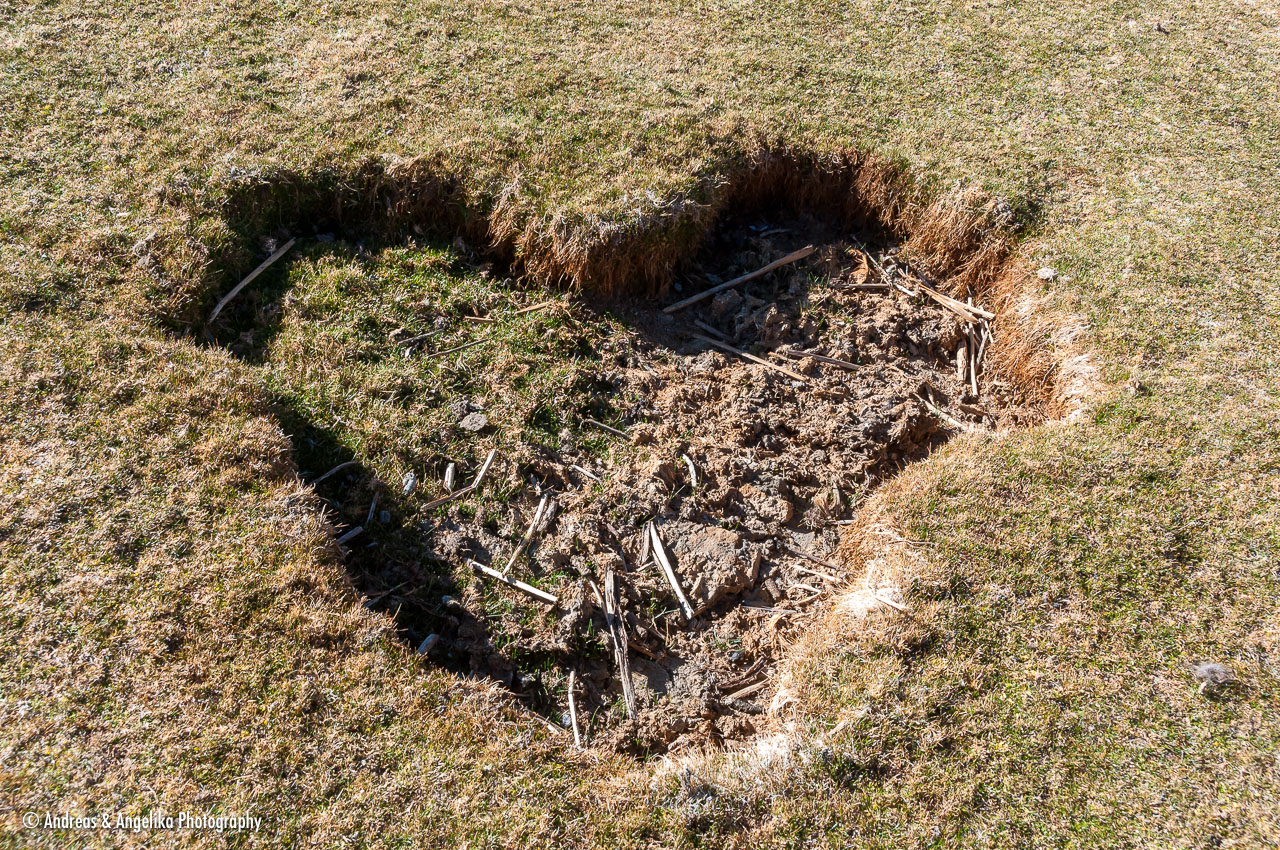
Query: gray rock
474	422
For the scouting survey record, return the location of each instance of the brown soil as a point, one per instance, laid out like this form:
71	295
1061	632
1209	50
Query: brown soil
779	463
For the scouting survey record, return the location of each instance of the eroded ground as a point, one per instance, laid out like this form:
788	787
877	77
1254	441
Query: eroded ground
745	471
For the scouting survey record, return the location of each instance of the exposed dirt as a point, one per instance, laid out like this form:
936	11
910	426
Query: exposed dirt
779	462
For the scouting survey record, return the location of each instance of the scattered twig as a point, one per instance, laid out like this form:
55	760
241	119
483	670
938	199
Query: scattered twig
585	472
973	362
350	534
765	609
646	546
605	427
618	630
821	358
894	605
694	299
373	506
450	474
337	468
528	535
672	579
783	369
573	710
457	494
533	307
637	646
266	264
946	417
465	345
693	471
748	690
487	320
968	312
817	573
711	329
514	584
419	338
374	600
744	678
533	715
815	560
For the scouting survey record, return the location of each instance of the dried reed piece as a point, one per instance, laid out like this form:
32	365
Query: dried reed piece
694	299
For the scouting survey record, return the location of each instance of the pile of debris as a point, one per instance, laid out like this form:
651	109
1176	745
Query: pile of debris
656	589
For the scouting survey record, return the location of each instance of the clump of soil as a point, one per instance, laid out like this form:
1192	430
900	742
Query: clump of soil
744	471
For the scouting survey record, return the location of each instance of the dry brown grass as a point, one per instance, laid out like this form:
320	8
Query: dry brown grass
178	630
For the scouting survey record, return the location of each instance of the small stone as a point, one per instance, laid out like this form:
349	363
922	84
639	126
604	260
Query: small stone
384	517
1047	273
474	422
409	484
429	644
324	237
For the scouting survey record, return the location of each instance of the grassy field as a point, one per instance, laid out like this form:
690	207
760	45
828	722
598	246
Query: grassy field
179	631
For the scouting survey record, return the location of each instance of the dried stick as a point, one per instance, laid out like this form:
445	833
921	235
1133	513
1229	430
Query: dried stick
709	329
693	471
784	370
636	646
266	264
419	338
514	584
672	579
528	535
605	427
968	312
350	534
694	299
618	631
973	362
533	307
946	417
817	573
894	605
821	358
457	494
337	468
748	690
573	710
456	348
814	559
